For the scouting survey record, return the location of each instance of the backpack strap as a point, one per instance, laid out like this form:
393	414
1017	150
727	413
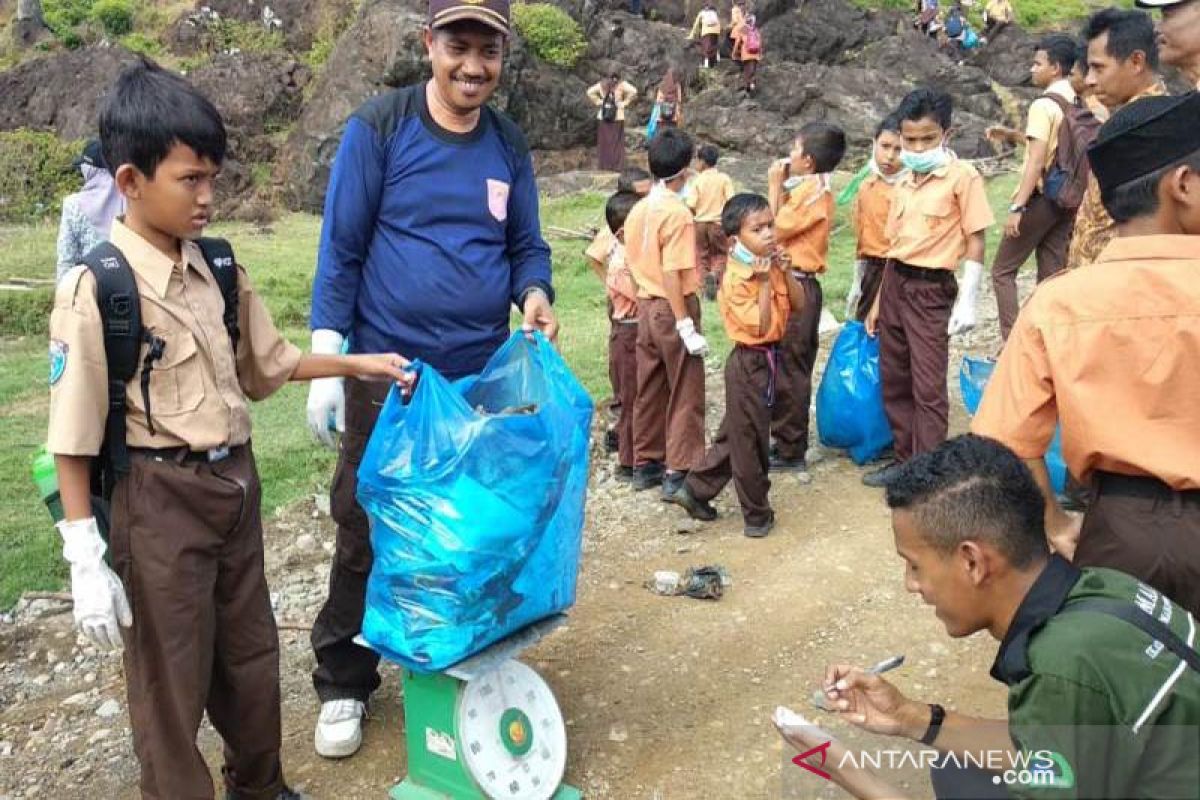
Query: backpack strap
218	254
121	317
1148	624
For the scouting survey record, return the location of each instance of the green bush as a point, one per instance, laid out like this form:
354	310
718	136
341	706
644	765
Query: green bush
246	37
62	16
550	32
141	43
35	174
115	16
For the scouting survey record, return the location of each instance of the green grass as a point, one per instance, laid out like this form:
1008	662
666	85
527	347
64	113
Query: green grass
281	263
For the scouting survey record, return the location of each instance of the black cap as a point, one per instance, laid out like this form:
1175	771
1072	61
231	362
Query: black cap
493	13
92	155
1143	137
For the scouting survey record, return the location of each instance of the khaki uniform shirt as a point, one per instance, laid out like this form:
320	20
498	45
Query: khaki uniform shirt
624	94
1094	228
660	237
1044	123
197	390
1112	351
738	302
708	194
622	290
933	215
804	222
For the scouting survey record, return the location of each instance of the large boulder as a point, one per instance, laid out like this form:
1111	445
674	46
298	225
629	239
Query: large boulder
300	21
60	92
1007	56
825	31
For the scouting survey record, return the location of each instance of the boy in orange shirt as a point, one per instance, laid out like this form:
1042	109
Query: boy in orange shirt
660	246
756	299
707	195
622	337
871	207
939	217
803	204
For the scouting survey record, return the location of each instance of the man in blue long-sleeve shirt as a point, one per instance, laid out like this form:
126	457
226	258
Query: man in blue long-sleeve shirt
431	234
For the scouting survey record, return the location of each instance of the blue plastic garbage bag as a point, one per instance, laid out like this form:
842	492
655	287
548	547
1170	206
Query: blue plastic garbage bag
973	376
850	399
652	123
475	491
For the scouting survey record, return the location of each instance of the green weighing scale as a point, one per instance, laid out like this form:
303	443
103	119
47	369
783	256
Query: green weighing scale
486	728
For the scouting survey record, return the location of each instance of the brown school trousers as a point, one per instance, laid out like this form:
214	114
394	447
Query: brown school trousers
872	276
708	45
187	543
1142	527
1046	229
914	353
749	71
344	669
712	249
797	357
740	451
668	413
622	372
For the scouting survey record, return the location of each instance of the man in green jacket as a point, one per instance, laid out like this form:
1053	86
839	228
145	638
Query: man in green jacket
1098	706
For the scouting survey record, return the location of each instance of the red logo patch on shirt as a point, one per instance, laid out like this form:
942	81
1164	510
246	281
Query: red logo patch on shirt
497	197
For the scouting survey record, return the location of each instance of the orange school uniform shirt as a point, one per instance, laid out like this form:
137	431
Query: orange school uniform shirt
933	215
872	205
708	194
804	222
602	246
660	237
1112	351
622	290
738	302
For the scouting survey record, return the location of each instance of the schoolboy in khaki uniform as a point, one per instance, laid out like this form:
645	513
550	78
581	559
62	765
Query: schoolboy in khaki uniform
622	338
804	209
186	536
1112	352
757	296
938	217
660	246
707	194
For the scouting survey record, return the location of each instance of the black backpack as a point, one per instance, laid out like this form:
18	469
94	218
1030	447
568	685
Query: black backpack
608	109
121	317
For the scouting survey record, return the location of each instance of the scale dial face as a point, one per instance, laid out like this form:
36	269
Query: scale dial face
511	734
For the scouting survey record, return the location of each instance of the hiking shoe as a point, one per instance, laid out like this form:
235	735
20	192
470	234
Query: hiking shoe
672	482
610	440
339	728
647	476
879	478
759	531
695	508
623	473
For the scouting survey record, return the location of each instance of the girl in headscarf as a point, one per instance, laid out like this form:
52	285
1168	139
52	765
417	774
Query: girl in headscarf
87	215
670	100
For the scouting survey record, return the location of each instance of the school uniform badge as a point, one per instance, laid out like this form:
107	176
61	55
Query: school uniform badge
58	359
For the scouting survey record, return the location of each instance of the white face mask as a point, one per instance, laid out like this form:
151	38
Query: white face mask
927	161
742	255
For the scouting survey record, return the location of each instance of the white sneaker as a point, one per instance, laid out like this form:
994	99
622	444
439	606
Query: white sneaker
339	728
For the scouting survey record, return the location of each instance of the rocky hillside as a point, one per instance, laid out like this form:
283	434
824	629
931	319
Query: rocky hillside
287	85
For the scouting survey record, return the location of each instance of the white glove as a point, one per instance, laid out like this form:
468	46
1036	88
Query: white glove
855	289
326	396
962	317
694	342
100	604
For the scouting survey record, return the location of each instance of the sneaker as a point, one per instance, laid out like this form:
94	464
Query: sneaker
759	531
695	508
610	440
672	482
879	478
647	476
780	464
339	728
623	473
286	793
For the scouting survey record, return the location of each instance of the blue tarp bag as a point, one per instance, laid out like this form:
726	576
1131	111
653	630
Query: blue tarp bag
973	376
850	399
475	491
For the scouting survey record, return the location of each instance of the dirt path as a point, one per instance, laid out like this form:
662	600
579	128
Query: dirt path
664	697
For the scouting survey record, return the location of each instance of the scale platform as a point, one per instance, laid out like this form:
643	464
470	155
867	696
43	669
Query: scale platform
486	728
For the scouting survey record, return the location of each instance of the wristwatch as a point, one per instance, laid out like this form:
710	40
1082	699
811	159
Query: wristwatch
1016	209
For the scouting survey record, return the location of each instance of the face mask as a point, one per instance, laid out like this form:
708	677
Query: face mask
895	176
742	254
792	182
926	162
